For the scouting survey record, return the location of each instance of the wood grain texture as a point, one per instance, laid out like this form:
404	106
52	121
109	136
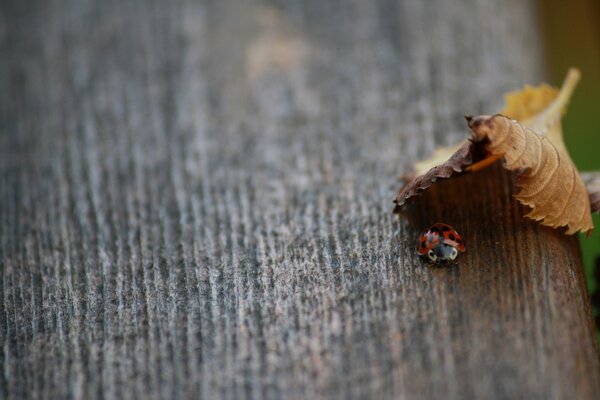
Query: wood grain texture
196	197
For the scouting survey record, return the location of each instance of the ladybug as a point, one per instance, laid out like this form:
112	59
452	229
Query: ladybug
441	243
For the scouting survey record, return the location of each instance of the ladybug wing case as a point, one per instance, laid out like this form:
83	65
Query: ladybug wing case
451	237
440	233
427	242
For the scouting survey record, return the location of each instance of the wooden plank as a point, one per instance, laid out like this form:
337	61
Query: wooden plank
195	200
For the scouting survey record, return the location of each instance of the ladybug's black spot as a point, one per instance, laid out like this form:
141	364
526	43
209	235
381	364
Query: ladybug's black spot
451	236
445	228
434	230
423	244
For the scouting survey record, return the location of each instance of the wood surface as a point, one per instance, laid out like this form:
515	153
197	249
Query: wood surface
196	202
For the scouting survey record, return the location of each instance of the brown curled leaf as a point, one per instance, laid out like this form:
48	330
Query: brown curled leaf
537	107
453	165
439	156
548	180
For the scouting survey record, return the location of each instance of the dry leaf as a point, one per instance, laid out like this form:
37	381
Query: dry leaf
454	164
529	101
439	156
541	108
533	106
549	182
533	147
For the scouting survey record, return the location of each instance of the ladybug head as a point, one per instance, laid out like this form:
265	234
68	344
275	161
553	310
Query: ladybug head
442	252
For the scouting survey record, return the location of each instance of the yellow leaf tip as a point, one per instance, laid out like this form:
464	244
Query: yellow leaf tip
573	75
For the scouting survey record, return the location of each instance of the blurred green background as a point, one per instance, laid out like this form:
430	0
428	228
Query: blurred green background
572	32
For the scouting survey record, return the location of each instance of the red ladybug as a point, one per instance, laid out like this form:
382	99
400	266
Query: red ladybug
441	243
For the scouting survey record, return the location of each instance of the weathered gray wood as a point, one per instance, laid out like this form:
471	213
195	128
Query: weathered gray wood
195	200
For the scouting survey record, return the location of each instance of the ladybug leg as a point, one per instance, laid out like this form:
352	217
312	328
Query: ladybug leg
486	162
